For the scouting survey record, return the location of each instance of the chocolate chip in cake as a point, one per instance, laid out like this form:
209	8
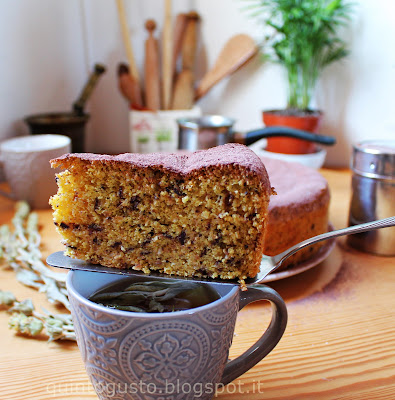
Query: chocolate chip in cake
228	200
97	204
146	241
204	252
96	240
176	188
202	271
218	239
134	202
182	237
95	227
64	226
252	216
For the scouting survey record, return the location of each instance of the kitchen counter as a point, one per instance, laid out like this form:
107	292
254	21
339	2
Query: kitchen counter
339	342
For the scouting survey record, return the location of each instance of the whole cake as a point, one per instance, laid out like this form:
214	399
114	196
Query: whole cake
298	212
202	214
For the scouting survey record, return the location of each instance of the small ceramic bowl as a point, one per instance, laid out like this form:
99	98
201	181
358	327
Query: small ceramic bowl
313	160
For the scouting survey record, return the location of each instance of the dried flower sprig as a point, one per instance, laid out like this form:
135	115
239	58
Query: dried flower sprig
20	250
26	320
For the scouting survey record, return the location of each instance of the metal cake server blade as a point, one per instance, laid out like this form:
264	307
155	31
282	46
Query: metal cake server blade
268	264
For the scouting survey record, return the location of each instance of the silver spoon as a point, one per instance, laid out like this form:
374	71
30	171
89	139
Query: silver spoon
268	265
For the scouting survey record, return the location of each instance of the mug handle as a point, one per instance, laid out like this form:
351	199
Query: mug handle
2	192
267	341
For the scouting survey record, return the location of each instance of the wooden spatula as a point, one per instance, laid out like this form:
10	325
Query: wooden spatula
152	69
237	51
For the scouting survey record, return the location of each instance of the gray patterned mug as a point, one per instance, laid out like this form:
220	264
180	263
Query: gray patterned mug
166	356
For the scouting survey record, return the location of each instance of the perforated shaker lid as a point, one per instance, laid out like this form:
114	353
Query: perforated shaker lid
374	159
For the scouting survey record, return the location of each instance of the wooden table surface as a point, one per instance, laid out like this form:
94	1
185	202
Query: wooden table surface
339	342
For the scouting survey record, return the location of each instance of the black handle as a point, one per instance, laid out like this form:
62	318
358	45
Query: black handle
79	104
271	131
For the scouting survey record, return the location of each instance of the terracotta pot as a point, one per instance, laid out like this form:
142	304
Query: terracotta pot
310	122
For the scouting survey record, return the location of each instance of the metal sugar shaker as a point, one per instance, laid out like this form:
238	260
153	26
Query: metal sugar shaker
373	194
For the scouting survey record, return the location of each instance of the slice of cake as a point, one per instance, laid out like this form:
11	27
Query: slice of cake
202	214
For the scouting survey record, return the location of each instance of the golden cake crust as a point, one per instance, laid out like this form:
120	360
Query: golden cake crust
232	154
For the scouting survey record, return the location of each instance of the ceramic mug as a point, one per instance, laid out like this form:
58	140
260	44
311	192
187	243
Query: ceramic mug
176	355
25	161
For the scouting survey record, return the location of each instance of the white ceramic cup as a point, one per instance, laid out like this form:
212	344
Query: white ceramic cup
25	161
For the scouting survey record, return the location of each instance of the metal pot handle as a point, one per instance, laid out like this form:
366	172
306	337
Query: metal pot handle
270	131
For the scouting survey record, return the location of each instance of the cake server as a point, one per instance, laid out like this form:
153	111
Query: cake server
268	265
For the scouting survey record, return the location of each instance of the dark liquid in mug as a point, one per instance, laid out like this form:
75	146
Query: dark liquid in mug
154	296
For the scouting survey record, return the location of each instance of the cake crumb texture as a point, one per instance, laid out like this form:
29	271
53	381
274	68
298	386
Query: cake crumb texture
202	214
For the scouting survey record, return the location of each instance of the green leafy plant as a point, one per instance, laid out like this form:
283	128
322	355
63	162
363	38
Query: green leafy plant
303	38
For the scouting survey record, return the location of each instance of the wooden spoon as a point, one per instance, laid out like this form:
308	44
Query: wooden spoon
129	87
152	69
127	42
237	51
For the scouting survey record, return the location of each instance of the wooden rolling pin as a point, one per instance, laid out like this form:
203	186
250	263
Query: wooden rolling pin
152	69
184	92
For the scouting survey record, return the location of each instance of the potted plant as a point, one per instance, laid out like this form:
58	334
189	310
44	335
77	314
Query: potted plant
304	40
